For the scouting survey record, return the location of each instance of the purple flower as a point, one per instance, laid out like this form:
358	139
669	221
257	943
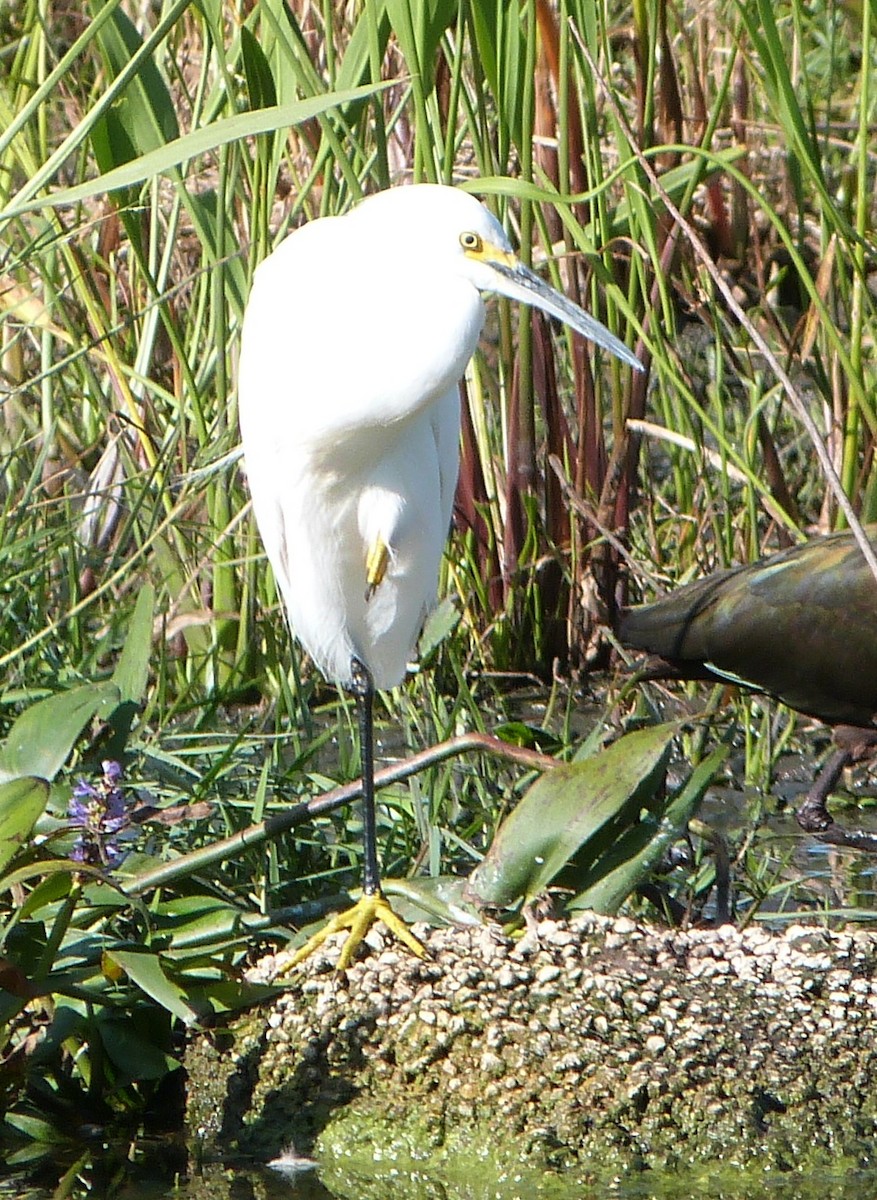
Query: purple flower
112	772
99	810
98	853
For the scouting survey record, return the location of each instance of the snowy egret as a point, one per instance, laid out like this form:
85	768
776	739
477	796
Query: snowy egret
357	333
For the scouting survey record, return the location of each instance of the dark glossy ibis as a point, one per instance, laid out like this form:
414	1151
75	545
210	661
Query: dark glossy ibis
800	626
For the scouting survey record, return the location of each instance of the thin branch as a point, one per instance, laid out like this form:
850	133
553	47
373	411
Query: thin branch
262	831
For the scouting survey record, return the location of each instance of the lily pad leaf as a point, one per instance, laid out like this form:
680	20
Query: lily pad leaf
565	808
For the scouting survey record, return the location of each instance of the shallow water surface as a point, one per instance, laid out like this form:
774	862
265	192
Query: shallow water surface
156	1177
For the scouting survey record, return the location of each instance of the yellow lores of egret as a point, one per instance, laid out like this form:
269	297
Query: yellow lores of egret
357	332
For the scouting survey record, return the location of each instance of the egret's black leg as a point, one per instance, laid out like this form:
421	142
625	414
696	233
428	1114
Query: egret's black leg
372	905
363	689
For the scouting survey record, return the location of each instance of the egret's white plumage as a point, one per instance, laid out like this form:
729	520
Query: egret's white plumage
357	332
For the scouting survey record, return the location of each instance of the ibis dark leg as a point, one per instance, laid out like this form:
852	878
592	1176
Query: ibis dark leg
813	815
363	689
852	745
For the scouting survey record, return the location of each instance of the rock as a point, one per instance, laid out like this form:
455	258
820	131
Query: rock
608	1047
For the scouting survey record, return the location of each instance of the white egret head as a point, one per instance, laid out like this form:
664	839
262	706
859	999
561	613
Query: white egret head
447	230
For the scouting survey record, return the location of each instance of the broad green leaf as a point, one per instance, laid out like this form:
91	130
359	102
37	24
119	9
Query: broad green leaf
197	921
34	1128
440	623
48	891
136	1056
144	968
41	739
22	802
565	808
438	899
639	850
44	867
534	737
132	671
592	744
227	995
30	1154
261	90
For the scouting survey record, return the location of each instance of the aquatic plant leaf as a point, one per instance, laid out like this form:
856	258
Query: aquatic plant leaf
34	1128
55	874
144	968
638	851
22	802
224	995
134	1053
438	899
132	671
533	737
41	739
566	808
196	923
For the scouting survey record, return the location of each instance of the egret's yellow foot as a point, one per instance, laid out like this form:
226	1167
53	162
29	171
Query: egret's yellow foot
370	908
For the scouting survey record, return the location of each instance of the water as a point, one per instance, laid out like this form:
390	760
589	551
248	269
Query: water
111	1173
781	874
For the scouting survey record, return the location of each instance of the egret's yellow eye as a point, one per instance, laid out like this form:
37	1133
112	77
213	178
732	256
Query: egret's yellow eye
471	242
